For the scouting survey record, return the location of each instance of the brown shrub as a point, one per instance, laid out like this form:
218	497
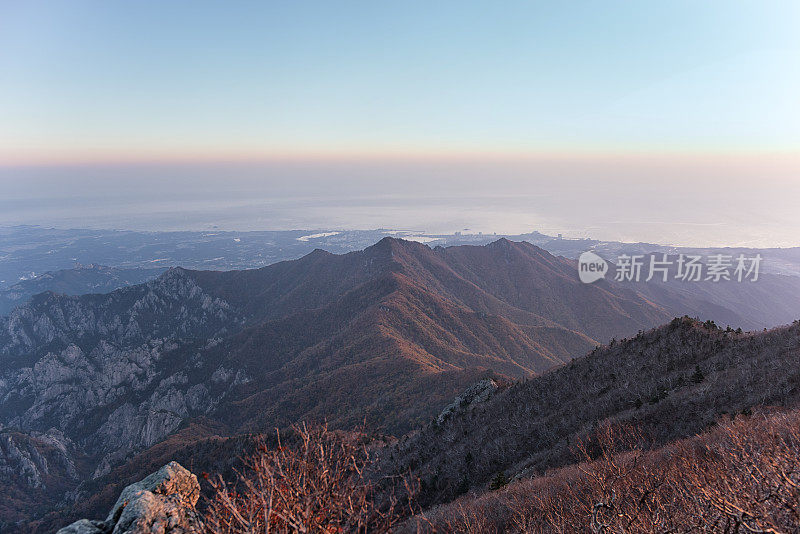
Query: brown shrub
317	483
748	479
744	476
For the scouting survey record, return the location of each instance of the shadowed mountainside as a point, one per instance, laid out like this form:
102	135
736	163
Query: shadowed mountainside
671	382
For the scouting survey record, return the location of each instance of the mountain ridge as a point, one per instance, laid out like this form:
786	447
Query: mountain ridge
670	382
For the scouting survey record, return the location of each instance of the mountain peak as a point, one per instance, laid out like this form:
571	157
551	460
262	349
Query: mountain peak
524	247
395	244
396	241
504	244
319	252
175	271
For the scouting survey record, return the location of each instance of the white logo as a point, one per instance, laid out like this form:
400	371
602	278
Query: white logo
591	267
642	267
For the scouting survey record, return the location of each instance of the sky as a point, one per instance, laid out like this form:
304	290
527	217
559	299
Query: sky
83	80
102	94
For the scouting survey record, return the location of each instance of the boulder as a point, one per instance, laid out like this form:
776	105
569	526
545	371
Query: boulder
84	526
161	503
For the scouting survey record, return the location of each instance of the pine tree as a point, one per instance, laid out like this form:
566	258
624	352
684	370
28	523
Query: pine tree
698	375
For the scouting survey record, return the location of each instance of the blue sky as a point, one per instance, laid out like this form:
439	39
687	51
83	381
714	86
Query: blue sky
148	80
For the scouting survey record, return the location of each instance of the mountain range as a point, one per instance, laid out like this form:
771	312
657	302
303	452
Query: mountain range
79	280
389	335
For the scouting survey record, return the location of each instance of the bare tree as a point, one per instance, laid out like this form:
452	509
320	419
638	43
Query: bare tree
317	483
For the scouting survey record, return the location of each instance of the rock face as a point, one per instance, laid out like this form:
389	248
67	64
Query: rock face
102	375
32	458
161	503
475	394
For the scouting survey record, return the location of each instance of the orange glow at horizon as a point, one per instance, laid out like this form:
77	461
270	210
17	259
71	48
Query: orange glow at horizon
32	158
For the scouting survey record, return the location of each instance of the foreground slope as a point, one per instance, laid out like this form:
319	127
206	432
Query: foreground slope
741	475
671	382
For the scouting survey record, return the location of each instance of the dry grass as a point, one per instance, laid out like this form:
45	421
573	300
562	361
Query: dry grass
742	477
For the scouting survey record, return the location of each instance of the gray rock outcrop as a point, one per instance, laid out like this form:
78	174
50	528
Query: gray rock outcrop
161	503
475	394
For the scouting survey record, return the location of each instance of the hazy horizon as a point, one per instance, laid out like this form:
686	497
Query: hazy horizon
679	202
670	123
